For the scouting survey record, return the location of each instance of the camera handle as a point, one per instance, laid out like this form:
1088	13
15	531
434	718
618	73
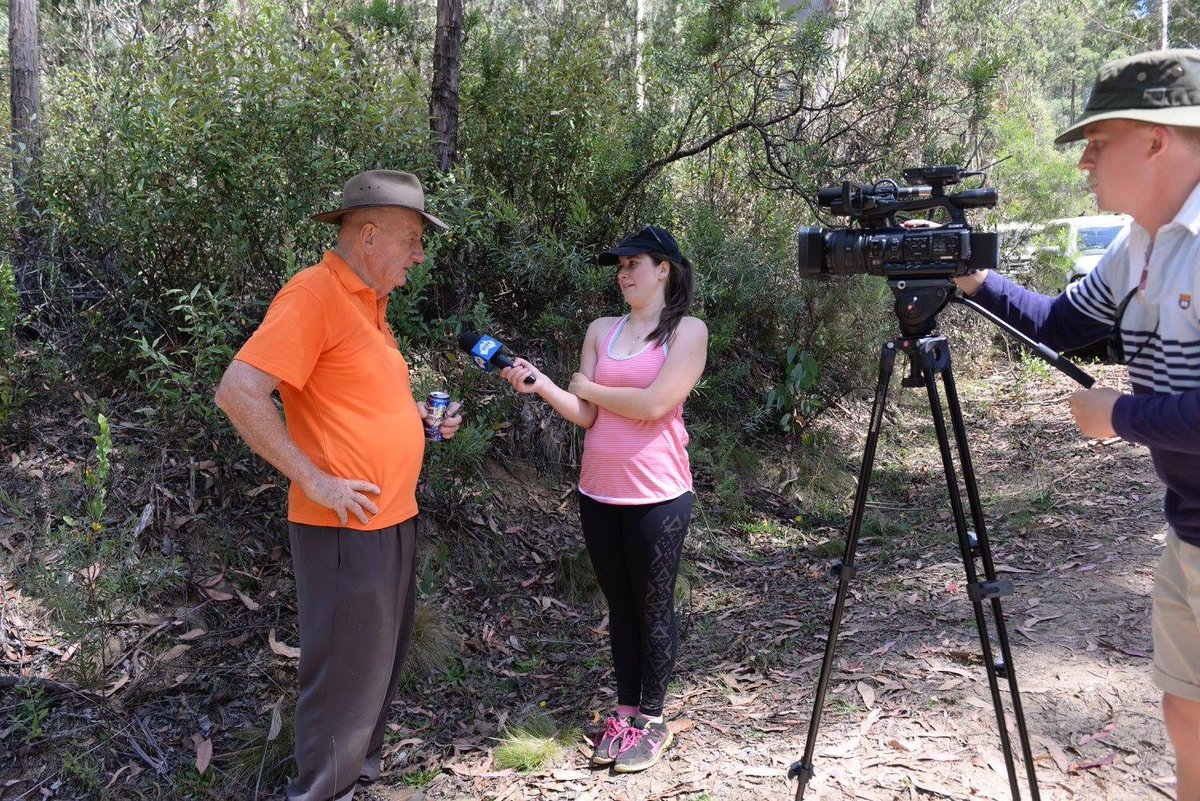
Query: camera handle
930	356
1054	358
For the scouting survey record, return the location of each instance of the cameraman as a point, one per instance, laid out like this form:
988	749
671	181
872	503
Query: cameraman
1142	156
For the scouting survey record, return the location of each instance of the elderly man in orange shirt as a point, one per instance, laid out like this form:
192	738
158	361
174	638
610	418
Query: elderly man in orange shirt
352	448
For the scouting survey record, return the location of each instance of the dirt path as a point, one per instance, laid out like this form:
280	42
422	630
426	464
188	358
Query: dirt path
1075	524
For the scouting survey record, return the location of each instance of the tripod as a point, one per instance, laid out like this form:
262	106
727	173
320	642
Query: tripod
917	305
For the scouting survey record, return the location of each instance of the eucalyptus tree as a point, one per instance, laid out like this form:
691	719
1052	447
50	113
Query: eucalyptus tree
1183	24
443	95
25	95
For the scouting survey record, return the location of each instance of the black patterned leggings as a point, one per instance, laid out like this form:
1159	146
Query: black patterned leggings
635	551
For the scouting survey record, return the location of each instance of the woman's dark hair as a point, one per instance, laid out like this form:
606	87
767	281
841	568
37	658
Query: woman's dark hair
680	288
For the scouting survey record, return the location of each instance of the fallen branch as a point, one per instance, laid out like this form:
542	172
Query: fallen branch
40	684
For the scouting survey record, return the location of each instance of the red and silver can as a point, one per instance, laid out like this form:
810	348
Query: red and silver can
436	407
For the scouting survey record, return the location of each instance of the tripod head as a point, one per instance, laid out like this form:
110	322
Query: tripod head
918	301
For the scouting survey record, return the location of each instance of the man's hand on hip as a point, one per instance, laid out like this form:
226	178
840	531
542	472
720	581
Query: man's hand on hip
343	495
1092	410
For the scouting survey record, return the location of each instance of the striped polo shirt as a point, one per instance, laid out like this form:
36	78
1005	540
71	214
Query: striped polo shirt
628	462
1160	330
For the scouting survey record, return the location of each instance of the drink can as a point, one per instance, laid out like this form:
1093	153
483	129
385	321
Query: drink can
437	404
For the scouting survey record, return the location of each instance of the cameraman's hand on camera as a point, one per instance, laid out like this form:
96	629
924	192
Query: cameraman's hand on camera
969	284
1092	410
516	374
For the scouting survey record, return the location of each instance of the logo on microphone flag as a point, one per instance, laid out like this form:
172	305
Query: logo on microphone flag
484	350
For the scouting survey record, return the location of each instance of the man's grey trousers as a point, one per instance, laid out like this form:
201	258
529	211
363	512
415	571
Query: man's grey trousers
356	592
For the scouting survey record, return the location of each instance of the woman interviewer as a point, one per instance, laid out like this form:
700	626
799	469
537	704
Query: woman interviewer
635	484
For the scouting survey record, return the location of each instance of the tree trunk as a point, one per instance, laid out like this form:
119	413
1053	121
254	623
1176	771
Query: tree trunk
639	44
443	96
443	120
26	141
838	38
924	9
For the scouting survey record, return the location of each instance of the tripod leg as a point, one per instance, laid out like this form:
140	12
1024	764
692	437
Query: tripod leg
844	569
989	571
936	356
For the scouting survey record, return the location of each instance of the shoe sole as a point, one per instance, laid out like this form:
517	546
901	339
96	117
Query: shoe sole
627	768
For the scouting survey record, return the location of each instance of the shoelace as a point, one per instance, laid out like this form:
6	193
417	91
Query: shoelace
614	726
630	738
613	729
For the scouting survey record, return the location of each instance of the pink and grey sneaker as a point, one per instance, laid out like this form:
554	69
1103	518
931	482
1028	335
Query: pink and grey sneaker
642	745
608	742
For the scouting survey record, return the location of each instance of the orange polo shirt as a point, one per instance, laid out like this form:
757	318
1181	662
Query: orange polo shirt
346	393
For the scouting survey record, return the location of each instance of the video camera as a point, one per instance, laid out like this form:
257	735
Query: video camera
880	246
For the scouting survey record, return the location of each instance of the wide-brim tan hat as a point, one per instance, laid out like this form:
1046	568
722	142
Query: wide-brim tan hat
375	188
1160	86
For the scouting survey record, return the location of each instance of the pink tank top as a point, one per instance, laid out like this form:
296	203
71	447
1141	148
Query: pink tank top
628	462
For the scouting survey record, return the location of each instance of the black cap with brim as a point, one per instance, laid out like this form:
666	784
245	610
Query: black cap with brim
650	239
1160	87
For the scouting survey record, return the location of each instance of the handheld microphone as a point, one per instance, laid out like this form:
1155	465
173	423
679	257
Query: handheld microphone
487	352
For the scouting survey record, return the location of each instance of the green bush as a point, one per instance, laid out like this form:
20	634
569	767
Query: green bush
549	98
181	366
451	467
196	162
794	399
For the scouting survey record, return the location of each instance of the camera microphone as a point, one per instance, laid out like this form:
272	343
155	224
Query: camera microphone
488	352
975	198
851	194
828	195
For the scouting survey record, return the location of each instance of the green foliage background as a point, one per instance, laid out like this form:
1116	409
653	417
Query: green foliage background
186	145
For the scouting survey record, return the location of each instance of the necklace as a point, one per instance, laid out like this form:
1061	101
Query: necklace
631	338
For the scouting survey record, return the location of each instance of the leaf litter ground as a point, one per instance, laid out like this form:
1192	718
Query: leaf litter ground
1076	525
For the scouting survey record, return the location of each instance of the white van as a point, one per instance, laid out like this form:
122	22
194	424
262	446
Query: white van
1082	240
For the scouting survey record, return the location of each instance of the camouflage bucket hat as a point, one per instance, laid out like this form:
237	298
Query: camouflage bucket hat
1161	86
